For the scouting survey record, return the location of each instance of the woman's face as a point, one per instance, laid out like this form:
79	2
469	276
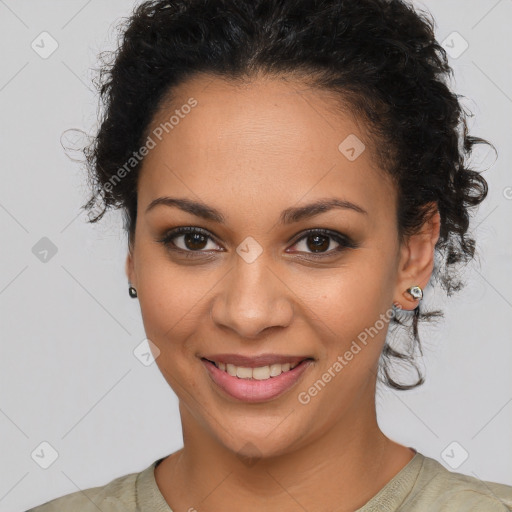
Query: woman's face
253	282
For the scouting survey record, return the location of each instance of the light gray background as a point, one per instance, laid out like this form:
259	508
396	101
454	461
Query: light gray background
68	328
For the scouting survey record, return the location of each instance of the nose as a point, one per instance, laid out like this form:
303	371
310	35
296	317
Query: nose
252	299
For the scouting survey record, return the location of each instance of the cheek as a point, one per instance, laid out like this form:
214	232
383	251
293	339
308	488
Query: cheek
170	306
353	304
172	298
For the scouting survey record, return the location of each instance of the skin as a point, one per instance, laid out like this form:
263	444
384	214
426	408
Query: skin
252	151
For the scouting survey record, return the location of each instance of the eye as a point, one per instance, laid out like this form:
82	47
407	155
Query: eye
192	240
319	241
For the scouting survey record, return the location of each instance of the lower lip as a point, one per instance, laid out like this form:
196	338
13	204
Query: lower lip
253	390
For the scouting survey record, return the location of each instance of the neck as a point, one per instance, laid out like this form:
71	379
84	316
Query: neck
341	469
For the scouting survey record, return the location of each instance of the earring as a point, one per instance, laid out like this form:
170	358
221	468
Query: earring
132	292
416	292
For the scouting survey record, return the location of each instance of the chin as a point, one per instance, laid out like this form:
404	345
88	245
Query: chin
257	442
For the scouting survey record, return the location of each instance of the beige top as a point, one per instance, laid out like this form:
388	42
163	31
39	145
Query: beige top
423	485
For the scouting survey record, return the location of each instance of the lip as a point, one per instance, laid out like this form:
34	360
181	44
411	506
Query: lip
255	361
253	390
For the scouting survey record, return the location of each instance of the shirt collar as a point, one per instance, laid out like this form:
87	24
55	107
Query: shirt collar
394	493
148	495
388	499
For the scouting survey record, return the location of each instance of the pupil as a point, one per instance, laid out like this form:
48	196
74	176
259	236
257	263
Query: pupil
317	244
194	240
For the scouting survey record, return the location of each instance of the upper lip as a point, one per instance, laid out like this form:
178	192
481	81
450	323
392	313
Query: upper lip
254	361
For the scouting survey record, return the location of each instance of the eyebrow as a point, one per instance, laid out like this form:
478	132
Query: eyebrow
288	216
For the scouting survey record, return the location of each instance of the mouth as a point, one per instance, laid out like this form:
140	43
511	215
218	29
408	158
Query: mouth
255	381
262	372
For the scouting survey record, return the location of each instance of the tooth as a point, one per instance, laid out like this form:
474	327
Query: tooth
275	370
243	373
261	373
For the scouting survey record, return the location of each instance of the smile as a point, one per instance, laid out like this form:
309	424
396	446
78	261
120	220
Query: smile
258	373
257	383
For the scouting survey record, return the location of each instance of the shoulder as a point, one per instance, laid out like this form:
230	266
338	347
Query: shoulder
119	495
437	488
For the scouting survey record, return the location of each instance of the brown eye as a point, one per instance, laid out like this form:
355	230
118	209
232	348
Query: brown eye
194	241
318	243
188	239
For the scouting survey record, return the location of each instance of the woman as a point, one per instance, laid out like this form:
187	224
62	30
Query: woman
289	170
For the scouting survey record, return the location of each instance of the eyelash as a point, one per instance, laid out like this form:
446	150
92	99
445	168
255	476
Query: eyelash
344	241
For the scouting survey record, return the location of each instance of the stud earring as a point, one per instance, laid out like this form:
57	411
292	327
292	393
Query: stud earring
132	292
416	292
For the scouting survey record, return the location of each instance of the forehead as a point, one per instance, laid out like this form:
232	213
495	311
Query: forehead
265	138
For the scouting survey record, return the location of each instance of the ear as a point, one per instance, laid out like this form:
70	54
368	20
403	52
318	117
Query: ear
416	261
130	269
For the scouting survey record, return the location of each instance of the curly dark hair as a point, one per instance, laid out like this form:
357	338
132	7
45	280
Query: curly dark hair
379	57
